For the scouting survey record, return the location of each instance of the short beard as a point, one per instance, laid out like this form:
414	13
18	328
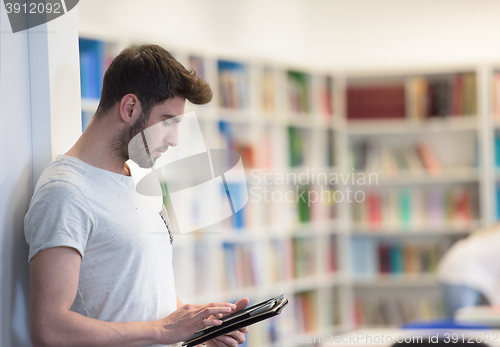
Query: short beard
121	141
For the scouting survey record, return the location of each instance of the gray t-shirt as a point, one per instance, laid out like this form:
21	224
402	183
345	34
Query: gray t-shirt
126	270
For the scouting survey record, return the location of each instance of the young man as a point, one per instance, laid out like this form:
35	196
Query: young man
100	264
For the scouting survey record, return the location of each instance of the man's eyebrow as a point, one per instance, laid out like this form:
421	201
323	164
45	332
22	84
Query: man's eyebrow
169	116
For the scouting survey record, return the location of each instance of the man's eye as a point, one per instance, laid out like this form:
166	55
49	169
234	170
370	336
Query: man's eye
167	122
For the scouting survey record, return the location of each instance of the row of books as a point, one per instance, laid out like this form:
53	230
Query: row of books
390	311
267	332
416	98
299	317
371	257
266	206
241	266
369	156
248	265
233	77
417	208
315	203
232	138
261	155
305	312
443	95
300	147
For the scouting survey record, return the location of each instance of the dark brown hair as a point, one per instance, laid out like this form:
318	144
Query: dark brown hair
153	75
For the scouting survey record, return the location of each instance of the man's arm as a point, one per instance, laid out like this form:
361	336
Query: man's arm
54	275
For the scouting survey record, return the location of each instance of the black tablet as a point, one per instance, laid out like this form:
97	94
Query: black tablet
238	320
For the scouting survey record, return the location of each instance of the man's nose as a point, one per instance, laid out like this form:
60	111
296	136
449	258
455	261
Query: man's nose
172	136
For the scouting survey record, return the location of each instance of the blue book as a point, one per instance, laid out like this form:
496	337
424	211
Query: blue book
396	259
91	67
497	151
364	257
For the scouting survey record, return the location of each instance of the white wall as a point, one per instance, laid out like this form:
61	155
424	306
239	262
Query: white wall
40	118
338	34
15	183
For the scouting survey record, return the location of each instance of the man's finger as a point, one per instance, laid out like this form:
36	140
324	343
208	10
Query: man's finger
211	311
221	304
241	304
225	340
236	335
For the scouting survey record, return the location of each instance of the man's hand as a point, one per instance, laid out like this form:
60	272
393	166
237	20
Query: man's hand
234	338
184	322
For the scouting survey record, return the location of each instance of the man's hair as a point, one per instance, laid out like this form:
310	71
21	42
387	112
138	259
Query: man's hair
153	75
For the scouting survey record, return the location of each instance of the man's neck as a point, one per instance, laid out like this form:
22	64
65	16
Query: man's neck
95	147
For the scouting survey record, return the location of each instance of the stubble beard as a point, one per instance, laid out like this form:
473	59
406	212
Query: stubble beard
120	145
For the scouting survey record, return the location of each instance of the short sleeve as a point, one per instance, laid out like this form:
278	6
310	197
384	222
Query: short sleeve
59	215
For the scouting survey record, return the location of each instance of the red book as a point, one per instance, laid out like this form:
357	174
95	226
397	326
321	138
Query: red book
376	102
384	261
429	159
374	210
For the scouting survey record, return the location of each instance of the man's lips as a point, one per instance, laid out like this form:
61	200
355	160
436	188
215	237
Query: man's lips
161	150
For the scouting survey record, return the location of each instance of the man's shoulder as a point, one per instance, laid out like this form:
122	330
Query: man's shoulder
63	173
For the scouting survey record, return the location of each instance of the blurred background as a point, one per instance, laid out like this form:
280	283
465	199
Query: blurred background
370	136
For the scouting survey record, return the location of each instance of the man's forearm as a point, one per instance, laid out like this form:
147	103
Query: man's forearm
75	330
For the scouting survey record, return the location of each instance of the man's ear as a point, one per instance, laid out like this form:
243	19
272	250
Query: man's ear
130	108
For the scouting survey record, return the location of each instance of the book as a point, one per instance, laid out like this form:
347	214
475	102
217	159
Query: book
296	140
91	67
298	86
197	64
233	85
268	87
326	100
395	310
369	102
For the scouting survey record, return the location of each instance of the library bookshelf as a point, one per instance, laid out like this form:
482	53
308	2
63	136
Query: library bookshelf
342	263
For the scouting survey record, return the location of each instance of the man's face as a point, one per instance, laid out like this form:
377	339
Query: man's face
160	132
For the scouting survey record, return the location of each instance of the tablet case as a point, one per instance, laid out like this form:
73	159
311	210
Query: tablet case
243	319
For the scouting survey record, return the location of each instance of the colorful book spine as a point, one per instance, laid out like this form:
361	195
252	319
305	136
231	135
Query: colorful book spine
304	254
427	207
371	257
233	85
296	140
298	92
414	158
